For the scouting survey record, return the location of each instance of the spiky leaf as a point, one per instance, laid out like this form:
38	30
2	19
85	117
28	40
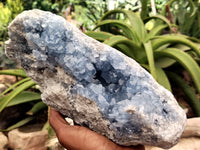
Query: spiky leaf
20	123
186	61
99	35
188	91
14	93
14	72
36	108
24	97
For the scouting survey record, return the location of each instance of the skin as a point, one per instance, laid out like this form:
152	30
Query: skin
81	138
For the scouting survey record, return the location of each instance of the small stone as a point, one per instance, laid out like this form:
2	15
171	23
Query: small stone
2	88
54	144
3	142
28	138
93	84
193	128
192	143
7	79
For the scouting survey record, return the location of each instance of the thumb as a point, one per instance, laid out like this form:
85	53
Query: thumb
56	120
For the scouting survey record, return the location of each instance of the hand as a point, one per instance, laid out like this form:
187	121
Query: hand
81	138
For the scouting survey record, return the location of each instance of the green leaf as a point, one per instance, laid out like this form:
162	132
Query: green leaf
113	40
170	2
174	39
150	57
131	49
124	49
144	11
24	97
162	78
36	108
182	47
164	62
160	17
99	35
51	132
4	102
185	60
155	31
46	126
163	12
14	72
127	30
134	19
15	85
188	91
20	123
193	39
186	24
116	40
137	24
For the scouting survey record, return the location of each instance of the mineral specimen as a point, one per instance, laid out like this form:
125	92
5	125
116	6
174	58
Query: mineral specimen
92	83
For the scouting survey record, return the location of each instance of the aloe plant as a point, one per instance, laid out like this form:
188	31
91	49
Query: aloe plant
18	93
186	14
154	51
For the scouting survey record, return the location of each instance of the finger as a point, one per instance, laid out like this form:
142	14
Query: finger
56	120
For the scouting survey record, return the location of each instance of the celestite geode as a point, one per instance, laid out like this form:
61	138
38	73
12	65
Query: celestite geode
92	83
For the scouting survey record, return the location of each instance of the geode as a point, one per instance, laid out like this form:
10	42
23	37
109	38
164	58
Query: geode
92	83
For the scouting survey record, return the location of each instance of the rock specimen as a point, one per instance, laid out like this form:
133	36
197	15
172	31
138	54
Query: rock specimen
92	83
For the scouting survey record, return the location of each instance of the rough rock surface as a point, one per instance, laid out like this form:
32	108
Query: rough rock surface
193	128
94	84
28	138
192	143
3	141
2	87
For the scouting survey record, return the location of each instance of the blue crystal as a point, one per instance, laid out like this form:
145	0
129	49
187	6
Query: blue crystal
103	77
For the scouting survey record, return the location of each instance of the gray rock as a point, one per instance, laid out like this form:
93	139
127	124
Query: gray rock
2	87
28	138
192	143
3	142
92	83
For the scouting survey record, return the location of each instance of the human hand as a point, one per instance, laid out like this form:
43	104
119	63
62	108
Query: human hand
81	138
